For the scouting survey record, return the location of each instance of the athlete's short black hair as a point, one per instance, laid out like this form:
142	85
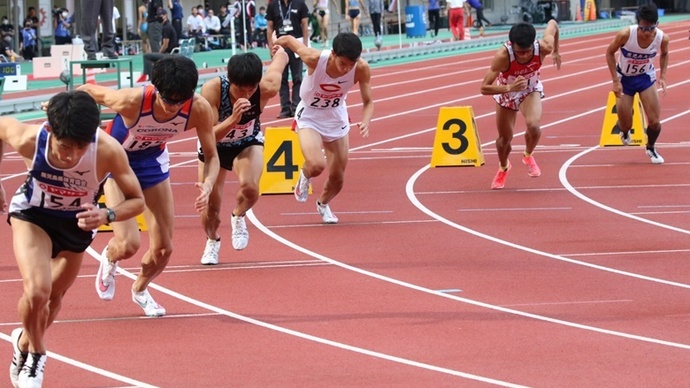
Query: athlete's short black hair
522	35
175	77
648	13
74	116
245	70
348	45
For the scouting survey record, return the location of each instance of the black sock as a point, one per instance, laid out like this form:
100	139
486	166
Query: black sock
652	135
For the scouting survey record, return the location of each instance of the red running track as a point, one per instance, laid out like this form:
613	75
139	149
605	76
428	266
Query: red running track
576	278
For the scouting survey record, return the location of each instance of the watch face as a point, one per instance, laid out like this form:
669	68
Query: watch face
111	215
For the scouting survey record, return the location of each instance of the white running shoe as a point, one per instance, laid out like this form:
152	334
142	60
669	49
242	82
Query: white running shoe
626	137
105	277
240	234
146	302
654	156
302	187
210	256
18	358
326	214
31	375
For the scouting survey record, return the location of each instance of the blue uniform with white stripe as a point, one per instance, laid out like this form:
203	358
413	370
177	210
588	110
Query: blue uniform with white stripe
636	64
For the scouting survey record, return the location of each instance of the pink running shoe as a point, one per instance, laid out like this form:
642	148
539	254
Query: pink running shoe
532	168
500	178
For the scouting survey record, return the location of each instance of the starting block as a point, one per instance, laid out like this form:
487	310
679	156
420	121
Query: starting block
610	130
282	160
457	141
141	222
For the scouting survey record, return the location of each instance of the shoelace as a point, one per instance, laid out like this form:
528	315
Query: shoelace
35	366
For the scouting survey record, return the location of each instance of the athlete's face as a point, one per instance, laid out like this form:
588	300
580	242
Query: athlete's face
523	54
646	28
343	65
242	91
66	153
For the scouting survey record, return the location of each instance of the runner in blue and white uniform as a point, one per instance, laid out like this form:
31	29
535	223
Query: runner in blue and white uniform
147	118
634	72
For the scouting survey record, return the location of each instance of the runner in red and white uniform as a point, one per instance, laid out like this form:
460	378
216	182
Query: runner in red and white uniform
516	67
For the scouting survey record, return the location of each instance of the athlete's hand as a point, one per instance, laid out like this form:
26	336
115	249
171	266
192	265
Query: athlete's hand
363	129
241	105
202	200
556	60
662	84
617	88
519	84
3	201
91	218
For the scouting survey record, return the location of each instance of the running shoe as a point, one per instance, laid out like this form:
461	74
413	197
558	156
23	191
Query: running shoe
240	234
654	156
31	375
500	179
532	168
378	42
105	277
326	213
625	137
210	256
18	358
302	187
146	302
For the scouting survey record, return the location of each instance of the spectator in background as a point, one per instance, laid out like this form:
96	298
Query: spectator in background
456	19
168	43
261	25
212	23
294	25
176	14
62	22
195	25
434	16
375	11
479	7
155	25
225	19
7	33
29	45
90	12
31	15
143	27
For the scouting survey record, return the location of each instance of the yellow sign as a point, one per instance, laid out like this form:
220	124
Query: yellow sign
610	132
282	161
107	228
456	142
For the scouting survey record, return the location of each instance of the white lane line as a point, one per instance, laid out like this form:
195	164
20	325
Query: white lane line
310	337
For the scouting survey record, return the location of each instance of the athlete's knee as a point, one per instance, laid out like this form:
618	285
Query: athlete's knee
36	294
314	168
161	254
250	192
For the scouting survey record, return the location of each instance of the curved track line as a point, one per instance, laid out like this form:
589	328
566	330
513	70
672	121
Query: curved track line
89	368
310	337
415	287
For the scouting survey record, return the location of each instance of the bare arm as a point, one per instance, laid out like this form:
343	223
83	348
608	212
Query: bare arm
19	136
269	35
201	119
663	62
126	102
363	77
310	56
499	64
270	82
618	42
113	159
550	43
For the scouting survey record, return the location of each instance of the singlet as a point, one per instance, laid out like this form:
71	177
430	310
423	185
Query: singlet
634	60
249	126
457	4
322	4
55	191
148	136
529	71
323	94
354	4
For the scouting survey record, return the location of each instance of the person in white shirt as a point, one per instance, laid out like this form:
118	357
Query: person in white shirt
194	26
212	23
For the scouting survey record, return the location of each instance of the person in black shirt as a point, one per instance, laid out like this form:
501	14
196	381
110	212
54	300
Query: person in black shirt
168	43
289	17
155	26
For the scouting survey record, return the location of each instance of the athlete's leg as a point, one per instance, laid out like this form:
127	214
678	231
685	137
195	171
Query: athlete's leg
336	156
531	109
505	121
32	250
210	216
126	239
159	215
624	107
248	166
652	109
311	145
64	268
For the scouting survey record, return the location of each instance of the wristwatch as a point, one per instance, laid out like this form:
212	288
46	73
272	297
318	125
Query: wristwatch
110	215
